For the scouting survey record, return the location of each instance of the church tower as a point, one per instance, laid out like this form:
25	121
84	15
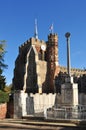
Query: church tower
52	61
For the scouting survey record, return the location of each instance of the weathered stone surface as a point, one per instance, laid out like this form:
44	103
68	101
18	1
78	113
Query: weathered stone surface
69	92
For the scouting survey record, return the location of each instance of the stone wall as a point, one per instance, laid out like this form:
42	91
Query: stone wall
3	110
19	104
33	104
42	101
25	104
82	99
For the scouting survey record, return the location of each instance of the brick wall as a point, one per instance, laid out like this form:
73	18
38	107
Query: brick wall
3	110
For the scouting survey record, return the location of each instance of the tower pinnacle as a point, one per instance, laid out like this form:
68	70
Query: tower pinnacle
36	31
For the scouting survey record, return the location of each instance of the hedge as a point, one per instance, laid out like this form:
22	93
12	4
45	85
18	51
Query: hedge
4	97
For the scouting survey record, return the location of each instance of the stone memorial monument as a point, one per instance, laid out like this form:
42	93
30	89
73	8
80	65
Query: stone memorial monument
69	90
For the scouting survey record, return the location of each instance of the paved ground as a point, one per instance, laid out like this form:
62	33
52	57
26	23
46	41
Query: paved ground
7	126
11	124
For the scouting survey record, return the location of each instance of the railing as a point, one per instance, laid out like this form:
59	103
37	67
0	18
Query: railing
77	112
73	112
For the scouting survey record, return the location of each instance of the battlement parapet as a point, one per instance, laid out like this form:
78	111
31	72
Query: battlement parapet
35	41
31	41
75	71
52	38
24	45
54	34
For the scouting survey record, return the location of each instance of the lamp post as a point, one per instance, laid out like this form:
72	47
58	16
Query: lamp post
67	35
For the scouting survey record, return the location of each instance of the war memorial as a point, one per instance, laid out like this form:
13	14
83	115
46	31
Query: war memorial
34	82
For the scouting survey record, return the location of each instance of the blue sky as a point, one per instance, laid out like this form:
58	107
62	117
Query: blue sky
17	25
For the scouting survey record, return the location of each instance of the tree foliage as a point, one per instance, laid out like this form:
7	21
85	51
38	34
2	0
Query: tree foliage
2	53
4	97
2	64
7	89
81	81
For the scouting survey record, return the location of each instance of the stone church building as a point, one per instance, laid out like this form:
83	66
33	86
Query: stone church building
36	68
37	65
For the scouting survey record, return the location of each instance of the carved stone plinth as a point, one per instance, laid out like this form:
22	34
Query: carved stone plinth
69	92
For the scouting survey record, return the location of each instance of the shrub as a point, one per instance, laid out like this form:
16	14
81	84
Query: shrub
4	97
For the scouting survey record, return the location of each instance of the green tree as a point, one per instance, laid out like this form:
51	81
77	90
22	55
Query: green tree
2	53
8	88
2	64
4	97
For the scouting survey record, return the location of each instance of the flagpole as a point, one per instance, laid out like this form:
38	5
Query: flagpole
51	28
36	31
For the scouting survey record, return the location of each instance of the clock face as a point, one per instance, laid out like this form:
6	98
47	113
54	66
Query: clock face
43	47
